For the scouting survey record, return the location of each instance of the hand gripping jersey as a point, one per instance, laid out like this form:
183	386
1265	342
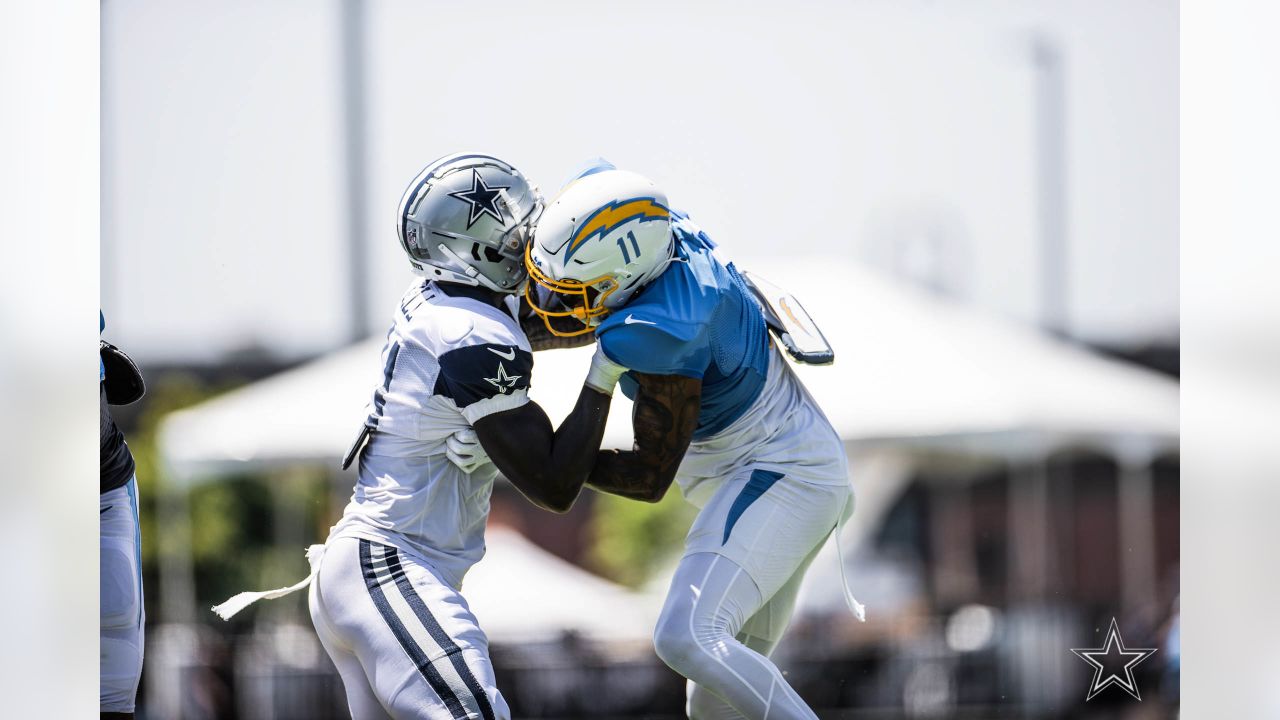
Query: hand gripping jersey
699	319
448	362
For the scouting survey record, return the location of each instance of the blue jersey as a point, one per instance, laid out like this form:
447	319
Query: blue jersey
698	319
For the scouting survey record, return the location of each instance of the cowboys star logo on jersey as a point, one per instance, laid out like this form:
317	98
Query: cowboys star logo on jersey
503	381
482	199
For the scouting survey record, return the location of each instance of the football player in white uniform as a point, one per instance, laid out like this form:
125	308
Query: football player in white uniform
385	594
717	409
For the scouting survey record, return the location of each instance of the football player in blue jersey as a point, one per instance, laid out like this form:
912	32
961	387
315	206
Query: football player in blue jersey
717	409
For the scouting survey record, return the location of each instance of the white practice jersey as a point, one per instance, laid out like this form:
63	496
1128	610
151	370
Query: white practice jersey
448	362
783	432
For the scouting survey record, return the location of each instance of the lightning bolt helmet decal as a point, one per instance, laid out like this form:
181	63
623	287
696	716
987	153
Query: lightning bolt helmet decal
614	215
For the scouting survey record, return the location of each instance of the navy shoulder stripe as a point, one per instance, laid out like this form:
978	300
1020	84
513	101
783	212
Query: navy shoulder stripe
478	372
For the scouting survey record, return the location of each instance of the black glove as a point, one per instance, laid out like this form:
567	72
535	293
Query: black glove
123	381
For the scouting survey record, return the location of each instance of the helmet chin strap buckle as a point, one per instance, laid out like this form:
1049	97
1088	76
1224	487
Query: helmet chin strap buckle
470	273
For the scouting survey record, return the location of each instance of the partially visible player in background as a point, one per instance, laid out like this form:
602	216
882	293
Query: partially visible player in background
121	614
385	596
716	408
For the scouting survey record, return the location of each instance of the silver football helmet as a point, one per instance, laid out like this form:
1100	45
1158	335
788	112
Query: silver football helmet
466	218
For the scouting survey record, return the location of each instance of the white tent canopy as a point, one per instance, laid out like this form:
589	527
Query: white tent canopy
908	366
518	581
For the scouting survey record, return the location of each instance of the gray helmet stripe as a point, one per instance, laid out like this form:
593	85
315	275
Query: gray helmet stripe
412	198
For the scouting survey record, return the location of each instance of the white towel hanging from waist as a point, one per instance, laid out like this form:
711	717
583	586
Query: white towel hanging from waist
243	600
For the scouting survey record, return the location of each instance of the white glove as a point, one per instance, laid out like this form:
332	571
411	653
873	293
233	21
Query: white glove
604	373
464	450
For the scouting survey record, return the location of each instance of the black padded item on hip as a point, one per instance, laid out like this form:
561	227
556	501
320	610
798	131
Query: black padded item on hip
123	381
357	447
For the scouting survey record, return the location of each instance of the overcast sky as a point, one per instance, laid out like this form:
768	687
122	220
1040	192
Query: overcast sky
805	128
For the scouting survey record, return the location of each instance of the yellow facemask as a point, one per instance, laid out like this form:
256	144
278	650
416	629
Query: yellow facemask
573	298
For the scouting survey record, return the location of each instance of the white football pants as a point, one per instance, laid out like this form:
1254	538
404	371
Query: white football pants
404	641
120	612
734	591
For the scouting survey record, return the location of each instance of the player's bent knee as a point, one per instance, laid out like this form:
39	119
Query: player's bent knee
675	643
120	618
701	704
120	671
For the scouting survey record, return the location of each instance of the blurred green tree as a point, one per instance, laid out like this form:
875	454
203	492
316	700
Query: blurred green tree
632	540
248	530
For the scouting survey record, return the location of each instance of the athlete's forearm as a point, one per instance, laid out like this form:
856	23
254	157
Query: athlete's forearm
625	474
547	466
576	443
664	418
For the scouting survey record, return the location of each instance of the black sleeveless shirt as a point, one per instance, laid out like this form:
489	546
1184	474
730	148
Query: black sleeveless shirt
117	461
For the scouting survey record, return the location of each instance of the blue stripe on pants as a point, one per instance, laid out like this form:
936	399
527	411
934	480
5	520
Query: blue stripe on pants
132	485
760	482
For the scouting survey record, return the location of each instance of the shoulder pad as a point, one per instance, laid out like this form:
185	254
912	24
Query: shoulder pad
449	326
453	327
676	304
653	348
123	381
689	232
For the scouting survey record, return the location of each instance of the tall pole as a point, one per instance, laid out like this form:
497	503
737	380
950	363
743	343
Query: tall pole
1136	499
353	109
108	252
1051	181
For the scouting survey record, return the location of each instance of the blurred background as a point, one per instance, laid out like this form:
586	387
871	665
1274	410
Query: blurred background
976	201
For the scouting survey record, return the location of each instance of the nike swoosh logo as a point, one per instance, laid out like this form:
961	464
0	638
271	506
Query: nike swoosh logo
103	510
508	355
630	319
